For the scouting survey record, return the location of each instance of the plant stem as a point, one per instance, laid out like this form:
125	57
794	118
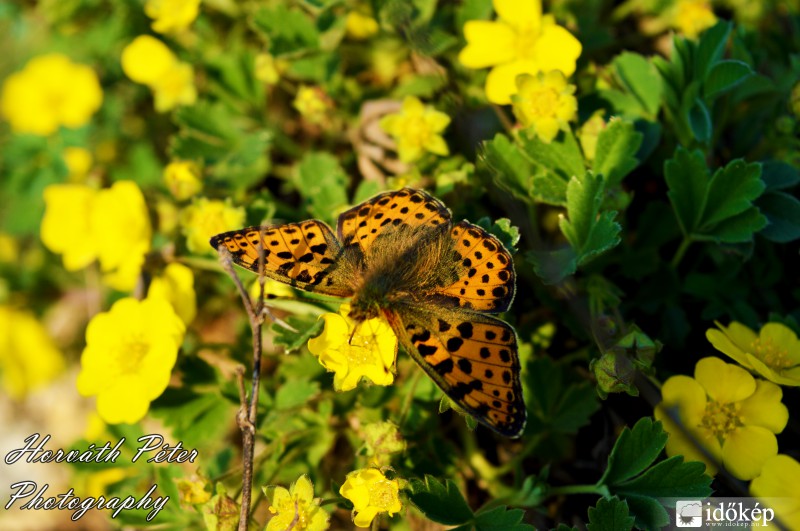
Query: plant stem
687	241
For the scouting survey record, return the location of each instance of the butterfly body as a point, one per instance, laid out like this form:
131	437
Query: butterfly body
399	256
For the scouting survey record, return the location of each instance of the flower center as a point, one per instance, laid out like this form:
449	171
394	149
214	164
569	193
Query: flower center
360	349
416	130
132	353
773	355
542	103
296	507
381	494
721	419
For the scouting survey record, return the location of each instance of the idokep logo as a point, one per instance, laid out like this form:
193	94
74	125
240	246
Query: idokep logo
689	513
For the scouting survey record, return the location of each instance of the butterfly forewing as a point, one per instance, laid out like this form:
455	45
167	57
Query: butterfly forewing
472	357
304	255
484	269
388	211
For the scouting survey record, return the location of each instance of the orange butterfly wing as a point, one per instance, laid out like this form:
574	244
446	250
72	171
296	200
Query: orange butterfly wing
472	357
486	278
305	255
363	223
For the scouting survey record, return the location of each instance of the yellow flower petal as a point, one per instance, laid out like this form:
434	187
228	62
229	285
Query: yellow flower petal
522	14
488	44
547	129
147	59
724	382
365	517
687	395
123	403
779	489
557	49
764	408
303	489
501	81
723	342
781	335
66	227
747	449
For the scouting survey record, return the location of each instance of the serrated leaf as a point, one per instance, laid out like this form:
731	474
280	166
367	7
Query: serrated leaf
617	146
292	341
295	393
501	518
710	48
323	183
634	451
687	178
610	514
641	79
700	121
286	30
731	191
561	156
783	214
737	229
502	228
440	502
724	76
588	232
671	478
510	168
549	188
554	404
648	513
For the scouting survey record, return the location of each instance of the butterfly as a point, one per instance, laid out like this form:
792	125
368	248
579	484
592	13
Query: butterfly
399	256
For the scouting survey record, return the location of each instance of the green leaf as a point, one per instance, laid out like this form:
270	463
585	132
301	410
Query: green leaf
687	178
588	232
737	229
306	329
561	156
547	187
286	30
671	478
783	214
553	266
610	514
724	76
731	191
778	175
442	503
510	168
501	518
641	79
634	451
617	146
555	404
648	513
710	48
196	419
295	393
323	183
700	121
502	228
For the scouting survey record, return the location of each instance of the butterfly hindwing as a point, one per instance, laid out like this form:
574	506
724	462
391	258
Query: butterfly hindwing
485	270
363	223
472	357
304	255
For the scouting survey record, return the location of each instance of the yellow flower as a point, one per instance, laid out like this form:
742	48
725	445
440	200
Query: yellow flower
360	26
171	15
78	161
28	357
296	508
371	493
120	228
774	353
382	439
129	355
545	103
175	88
66	224
312	103
182	177
417	128
354	350
176	286
96	484
692	17
147	59
205	218
521	41
9	249
733	416
51	91
267	69
193	491
778	487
